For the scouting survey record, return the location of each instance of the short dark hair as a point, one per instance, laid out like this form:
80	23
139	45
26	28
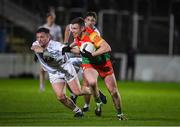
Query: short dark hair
51	14
78	20
91	13
42	29
48	14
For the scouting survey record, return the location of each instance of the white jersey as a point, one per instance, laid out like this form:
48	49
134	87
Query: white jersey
56	64
55	31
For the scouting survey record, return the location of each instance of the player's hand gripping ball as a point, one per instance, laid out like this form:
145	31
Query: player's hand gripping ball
88	46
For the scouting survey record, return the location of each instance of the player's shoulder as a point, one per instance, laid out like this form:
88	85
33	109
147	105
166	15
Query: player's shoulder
96	38
89	30
97	31
53	42
94	34
57	26
93	31
56	44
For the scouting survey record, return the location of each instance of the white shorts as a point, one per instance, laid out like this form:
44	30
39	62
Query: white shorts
67	75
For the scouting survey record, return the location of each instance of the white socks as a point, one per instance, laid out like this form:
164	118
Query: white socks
77	109
86	105
72	95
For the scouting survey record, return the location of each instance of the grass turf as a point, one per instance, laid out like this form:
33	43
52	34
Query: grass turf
144	103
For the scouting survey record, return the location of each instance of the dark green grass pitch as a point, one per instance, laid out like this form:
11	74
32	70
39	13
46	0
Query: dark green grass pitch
144	103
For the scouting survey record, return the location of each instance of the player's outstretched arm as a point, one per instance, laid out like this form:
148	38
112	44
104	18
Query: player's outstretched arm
71	48
74	49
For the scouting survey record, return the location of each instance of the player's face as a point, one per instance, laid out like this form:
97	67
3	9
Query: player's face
90	21
42	38
76	30
50	19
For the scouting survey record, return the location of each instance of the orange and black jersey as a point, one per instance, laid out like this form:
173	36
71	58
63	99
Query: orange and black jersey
89	35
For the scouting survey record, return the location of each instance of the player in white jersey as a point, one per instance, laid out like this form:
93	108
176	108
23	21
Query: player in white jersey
56	35
90	21
60	70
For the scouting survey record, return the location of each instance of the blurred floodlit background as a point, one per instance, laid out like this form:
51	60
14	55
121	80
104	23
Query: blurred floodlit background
151	27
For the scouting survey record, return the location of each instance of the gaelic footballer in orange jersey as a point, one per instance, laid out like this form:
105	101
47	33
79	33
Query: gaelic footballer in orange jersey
95	64
102	62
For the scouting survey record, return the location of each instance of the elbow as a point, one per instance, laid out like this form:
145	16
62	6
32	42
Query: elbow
32	48
108	49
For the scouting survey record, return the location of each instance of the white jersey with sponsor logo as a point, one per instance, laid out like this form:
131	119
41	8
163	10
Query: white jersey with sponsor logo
54	62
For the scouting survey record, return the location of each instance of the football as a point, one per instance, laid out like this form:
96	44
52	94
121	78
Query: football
88	46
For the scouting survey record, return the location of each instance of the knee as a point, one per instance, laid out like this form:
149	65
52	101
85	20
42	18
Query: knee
92	82
85	83
42	70
114	92
77	93
61	97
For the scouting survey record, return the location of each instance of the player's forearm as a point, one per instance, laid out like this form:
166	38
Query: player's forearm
66	34
37	49
104	48
66	37
75	50
72	45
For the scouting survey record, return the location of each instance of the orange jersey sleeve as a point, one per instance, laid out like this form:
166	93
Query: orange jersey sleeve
96	39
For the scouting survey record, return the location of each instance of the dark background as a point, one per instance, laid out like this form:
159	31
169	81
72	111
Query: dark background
153	23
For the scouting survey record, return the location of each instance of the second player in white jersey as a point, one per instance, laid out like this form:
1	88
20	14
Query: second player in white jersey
55	63
60	71
56	35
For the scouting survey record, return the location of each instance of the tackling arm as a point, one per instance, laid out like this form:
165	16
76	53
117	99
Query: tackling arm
74	48
37	49
71	48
